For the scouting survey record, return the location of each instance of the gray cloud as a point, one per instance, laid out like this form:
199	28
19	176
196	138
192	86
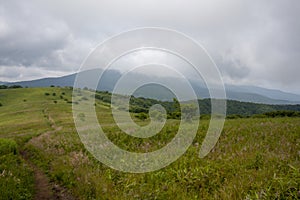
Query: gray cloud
28	36
252	42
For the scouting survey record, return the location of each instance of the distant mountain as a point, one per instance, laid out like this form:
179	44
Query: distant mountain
270	93
255	98
249	94
110	78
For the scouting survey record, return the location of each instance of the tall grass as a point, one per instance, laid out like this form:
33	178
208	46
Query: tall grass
255	158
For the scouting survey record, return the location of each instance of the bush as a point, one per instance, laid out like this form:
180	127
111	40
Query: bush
137	109
234	116
7	146
84	98
142	116
259	116
3	87
54	94
15	86
10	87
1	104
205	116
282	113
175	115
47	94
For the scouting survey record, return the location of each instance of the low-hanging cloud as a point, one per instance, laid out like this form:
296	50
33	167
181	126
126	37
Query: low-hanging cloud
252	42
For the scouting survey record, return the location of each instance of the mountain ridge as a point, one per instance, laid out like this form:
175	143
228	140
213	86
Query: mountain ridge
110	77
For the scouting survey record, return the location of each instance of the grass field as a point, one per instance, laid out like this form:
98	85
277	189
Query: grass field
253	159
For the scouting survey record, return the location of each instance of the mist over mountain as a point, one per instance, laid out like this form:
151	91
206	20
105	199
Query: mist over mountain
270	93
152	90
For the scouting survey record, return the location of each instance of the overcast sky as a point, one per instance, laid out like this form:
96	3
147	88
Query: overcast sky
253	42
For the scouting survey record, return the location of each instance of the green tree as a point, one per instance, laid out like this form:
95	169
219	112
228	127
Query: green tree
188	111
142	116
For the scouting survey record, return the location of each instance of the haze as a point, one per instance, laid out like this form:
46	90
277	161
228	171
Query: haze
252	42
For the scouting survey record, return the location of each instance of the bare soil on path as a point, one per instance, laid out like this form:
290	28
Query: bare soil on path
44	188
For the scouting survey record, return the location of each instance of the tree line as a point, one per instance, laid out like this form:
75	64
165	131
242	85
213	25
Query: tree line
235	109
10	87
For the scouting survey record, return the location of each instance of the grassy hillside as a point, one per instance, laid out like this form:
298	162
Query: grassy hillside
253	159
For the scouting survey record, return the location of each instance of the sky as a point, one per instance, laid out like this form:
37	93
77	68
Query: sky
252	42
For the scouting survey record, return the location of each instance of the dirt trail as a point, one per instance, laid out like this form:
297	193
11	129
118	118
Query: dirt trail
44	188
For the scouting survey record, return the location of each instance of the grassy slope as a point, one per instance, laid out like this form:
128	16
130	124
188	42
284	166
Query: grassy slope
254	158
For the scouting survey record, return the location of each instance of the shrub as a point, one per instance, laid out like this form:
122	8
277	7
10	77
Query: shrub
259	116
55	101
137	109
84	98
10	87
15	86
7	146
47	94
142	116
3	87
79	94
54	94
1	104
282	113
205	116
175	115
234	116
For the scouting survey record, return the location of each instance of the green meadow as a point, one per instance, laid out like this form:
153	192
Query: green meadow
255	158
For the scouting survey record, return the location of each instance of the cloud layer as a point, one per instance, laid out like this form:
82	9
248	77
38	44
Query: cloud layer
252	42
